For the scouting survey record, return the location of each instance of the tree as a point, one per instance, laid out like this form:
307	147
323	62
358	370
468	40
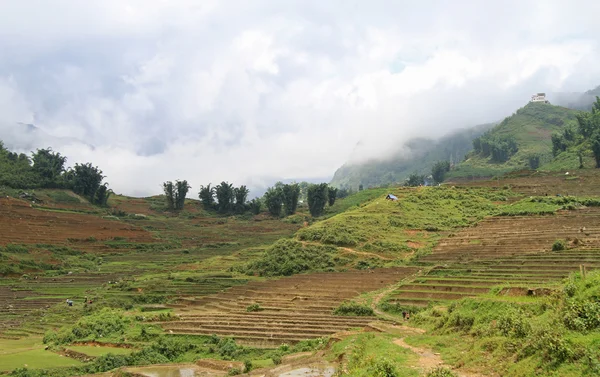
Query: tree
85	180
225	197
207	197
344	192
290	194
181	190
317	198
49	166
596	148
558	144
255	206
274	201
169	190
241	194
415	179
533	161
102	195
439	170
332	195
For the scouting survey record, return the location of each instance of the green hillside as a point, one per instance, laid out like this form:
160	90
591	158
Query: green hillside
516	140
423	154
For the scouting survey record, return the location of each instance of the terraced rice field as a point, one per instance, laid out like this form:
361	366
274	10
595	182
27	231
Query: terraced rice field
499	237
293	308
23	224
579	182
512	254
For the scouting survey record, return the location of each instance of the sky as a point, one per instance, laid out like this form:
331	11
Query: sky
251	92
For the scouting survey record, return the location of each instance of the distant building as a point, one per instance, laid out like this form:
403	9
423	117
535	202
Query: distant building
539	97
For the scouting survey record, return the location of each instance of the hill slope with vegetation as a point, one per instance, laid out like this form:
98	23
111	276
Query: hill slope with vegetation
522	140
422	154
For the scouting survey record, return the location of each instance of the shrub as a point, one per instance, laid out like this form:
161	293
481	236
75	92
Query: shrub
353	309
234	372
287	257
512	323
441	372
276	359
383	368
559	245
171	347
247	366
254	308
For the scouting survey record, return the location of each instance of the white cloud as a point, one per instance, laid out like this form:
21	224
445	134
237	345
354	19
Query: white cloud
231	90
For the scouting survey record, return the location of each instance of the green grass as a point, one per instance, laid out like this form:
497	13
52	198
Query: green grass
99	351
366	352
411	224
30	352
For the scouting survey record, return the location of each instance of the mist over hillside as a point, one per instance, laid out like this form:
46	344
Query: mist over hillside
420	153
416	155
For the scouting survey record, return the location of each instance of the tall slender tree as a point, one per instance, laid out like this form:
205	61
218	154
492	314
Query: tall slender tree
317	198
290	194
169	190
225	197
181	190
207	197
241	194
332	195
274	201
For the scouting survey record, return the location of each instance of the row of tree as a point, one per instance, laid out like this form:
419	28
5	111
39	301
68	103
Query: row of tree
279	199
46	169
585	135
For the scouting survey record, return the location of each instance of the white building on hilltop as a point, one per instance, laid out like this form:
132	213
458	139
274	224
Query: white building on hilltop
539	97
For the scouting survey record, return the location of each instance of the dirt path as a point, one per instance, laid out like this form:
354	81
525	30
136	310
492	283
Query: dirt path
429	360
364	253
377	299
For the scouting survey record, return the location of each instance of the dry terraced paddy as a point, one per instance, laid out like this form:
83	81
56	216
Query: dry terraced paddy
511	254
583	182
292	308
499	237
23	224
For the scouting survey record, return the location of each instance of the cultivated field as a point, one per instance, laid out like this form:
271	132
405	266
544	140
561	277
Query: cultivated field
291	309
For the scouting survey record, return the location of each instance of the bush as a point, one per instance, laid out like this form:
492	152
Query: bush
254	308
276	359
441	372
559	245
234	372
247	366
287	257
383	368
353	309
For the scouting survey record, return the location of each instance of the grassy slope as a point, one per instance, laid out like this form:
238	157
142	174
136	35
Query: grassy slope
532	127
557	335
412	224
424	153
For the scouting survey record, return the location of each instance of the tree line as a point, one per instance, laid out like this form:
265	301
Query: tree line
281	199
45	168
581	137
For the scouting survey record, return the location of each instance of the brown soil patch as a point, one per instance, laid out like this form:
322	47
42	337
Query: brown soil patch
414	245
23	224
222	365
